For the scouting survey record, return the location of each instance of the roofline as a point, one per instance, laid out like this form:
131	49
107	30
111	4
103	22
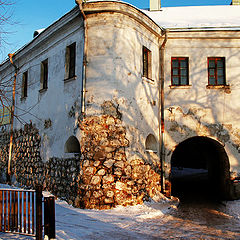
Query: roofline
120	7
205	29
134	13
65	19
92	7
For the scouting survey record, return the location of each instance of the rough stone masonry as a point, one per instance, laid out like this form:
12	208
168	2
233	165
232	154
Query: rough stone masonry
107	178
101	178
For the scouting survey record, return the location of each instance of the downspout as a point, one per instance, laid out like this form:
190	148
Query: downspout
11	119
84	74
161	111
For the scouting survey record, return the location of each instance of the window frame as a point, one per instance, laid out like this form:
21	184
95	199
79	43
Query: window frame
179	75
70	61
24	85
215	76
44	75
146	63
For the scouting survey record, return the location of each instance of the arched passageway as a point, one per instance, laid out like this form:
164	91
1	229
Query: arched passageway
200	168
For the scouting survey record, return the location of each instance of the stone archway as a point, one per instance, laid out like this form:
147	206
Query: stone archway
200	165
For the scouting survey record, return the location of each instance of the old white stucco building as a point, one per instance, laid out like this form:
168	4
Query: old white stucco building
47	98
170	77
200	88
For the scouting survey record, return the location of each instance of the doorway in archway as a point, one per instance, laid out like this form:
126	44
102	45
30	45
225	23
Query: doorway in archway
200	169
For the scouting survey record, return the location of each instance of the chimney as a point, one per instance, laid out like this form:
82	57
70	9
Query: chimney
155	5
235	2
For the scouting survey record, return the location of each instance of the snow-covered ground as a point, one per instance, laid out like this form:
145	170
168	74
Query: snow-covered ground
120	223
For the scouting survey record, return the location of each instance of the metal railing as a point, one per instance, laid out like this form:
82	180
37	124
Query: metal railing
21	213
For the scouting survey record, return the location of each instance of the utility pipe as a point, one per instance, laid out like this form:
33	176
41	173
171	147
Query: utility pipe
161	109
10	55
84	75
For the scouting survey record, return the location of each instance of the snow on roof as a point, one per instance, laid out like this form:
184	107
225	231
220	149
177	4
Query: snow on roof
222	17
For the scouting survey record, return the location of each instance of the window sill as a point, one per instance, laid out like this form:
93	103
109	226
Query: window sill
148	80
180	86
70	79
218	87
43	90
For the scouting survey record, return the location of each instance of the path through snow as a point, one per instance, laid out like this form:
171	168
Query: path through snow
121	223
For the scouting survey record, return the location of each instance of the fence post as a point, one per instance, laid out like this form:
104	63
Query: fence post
49	217
38	213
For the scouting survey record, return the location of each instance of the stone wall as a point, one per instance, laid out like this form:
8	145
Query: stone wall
56	175
4	149
107	177
61	178
102	178
27	164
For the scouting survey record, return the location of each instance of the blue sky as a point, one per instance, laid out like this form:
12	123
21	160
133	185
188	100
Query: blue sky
31	15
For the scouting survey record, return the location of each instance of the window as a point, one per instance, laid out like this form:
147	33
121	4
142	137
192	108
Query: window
44	75
72	145
216	71
179	71
24	84
151	143
147	59
70	61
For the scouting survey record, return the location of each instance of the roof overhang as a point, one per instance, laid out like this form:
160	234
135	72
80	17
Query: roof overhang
91	7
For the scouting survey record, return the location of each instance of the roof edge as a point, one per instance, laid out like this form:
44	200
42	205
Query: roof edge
90	7
63	20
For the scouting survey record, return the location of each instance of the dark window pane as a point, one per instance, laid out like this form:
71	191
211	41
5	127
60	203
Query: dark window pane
220	72
175	81
211	81
220	63
175	72
45	74
175	63
183	63
179	71
183	72
184	81
146	62
24	84
211	63
216	69
212	72
220	80
72	49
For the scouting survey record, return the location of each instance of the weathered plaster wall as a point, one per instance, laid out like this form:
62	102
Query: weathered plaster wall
195	110
114	73
121	111
56	110
116	88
